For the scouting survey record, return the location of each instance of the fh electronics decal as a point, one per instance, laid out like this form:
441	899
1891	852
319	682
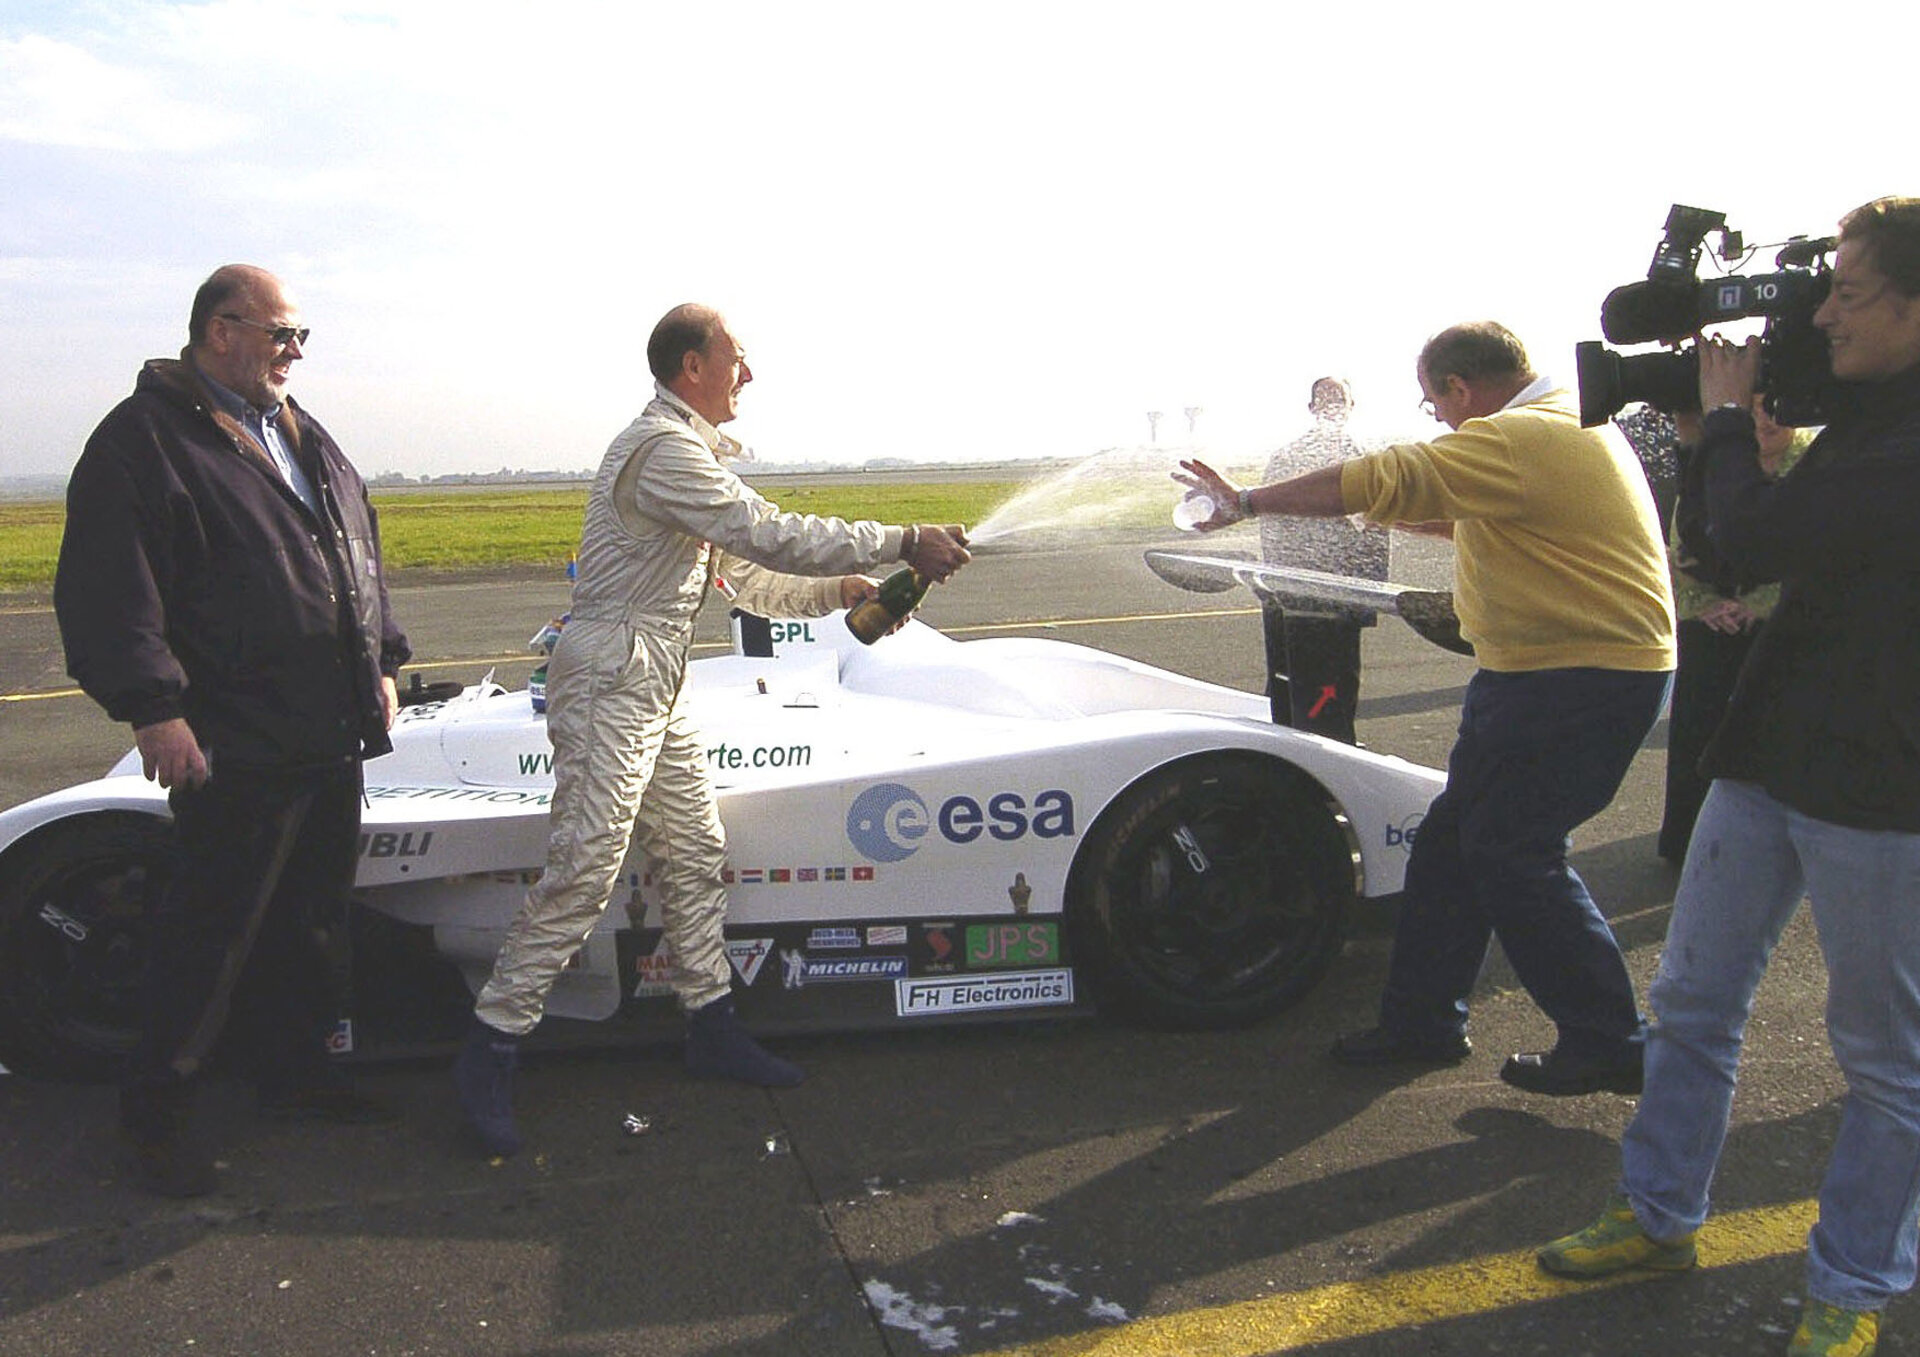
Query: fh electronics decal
980	994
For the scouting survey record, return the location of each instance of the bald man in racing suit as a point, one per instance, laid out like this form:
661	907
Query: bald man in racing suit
628	764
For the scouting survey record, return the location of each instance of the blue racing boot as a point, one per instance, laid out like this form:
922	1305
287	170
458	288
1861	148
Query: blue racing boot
718	1047
483	1077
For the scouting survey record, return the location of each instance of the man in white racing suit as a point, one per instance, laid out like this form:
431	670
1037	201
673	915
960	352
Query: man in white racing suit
665	515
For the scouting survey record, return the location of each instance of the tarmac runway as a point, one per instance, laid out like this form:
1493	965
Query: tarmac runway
1040	1188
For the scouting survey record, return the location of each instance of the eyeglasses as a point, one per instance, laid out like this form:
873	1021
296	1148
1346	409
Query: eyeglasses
282	335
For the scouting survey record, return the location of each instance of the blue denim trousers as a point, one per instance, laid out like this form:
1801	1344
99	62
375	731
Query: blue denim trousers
1539	753
1750	862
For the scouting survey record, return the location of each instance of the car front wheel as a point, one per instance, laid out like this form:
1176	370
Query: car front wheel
1212	892
73	899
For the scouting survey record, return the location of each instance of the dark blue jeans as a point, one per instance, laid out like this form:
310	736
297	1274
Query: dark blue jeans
264	863
1538	754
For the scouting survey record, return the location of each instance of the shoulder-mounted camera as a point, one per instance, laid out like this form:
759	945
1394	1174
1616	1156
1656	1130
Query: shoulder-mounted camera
1674	304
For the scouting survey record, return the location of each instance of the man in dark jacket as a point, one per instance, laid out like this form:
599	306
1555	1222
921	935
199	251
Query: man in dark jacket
1816	795
220	590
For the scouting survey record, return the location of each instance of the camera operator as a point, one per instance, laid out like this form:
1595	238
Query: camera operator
1816	792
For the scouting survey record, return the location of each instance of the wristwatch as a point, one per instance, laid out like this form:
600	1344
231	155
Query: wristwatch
1246	503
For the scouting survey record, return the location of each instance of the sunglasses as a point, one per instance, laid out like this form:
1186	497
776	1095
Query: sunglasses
282	335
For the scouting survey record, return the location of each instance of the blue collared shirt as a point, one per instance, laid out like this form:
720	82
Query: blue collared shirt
263	425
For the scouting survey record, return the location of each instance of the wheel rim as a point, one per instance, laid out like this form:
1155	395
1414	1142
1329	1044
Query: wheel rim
80	939
1217	898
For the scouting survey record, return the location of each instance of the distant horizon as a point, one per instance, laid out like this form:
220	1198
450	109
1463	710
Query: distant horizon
12	486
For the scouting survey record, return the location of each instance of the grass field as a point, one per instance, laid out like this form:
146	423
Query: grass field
491	526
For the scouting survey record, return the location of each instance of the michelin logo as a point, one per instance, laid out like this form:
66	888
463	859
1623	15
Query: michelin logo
799	970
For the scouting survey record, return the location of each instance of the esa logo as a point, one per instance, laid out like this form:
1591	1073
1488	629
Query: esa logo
1403	834
887	821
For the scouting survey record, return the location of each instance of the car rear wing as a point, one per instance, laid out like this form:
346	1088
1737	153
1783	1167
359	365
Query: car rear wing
1428	611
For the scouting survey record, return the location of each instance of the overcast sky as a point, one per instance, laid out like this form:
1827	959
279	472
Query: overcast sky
942	230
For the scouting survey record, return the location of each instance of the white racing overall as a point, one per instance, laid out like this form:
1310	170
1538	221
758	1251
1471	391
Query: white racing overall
628	765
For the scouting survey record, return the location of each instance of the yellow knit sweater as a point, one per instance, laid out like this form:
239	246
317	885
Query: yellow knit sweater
1558	557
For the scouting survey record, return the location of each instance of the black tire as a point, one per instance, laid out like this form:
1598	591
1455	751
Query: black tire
73	899
1211	893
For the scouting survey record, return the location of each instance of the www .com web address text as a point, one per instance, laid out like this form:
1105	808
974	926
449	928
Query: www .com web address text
721	757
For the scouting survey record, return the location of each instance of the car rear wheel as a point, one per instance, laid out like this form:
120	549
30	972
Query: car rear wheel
73	902
1211	893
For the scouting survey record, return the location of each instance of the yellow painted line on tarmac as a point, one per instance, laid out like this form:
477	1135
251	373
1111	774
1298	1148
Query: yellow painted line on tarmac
1346	1310
1053	624
38	697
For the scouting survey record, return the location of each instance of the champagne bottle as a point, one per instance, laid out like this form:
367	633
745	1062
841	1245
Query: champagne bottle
900	593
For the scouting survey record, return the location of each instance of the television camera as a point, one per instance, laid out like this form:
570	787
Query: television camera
1675	303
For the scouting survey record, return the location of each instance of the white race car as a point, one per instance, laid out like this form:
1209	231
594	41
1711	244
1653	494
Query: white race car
924	830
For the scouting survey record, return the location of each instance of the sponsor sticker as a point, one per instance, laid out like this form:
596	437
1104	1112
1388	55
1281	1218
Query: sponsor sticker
653	973
887	935
943	952
824	939
998	946
340	1039
798	969
980	994
387	844
1403	834
889	821
496	796
747	956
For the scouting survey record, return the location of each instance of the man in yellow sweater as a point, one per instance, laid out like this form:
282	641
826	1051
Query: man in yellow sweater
1561	584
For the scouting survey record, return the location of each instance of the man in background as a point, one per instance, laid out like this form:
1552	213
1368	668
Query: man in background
1561	585
1313	657
220	589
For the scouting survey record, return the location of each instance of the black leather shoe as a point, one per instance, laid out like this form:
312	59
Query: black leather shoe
1559	1075
1384	1046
